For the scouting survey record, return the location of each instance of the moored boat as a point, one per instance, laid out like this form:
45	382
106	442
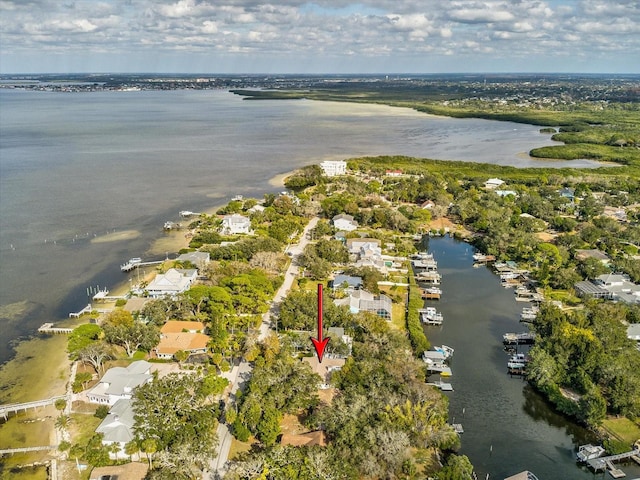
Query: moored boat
589	452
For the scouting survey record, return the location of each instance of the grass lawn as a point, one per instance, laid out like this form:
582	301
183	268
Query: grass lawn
623	429
83	427
398	320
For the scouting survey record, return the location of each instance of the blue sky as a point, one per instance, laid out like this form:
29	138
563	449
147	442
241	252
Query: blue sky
326	36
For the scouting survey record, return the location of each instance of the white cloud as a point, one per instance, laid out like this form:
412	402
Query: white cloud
331	32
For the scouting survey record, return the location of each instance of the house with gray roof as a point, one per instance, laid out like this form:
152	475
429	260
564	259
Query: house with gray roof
352	283
199	259
117	428
610	286
344	222
363	301
119	382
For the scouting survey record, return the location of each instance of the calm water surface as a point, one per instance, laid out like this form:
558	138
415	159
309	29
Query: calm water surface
75	167
508	427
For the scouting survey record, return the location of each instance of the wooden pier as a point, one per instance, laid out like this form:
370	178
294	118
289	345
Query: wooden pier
50	329
11	451
103	295
86	309
5	410
136	262
604	463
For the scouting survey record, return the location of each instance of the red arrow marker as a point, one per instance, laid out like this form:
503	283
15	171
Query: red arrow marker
319	343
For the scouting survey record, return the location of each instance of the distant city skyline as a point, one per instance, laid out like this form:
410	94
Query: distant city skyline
325	36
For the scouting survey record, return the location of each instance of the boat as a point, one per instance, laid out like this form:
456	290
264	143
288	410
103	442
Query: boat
523	338
481	257
517	361
431	293
188	213
431	317
447	351
529	314
131	264
589	452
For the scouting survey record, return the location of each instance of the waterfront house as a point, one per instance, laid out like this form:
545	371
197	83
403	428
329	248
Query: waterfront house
119	382
621	287
344	222
235	224
361	300
185	336
117	428
331	168
172	283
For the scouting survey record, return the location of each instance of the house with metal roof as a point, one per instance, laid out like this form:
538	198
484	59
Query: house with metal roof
119	382
171	283
117	428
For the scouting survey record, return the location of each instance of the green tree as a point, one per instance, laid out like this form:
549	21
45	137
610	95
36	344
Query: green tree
458	467
133	336
81	337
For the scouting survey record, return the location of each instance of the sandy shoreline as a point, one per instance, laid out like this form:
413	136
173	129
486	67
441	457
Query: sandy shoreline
41	367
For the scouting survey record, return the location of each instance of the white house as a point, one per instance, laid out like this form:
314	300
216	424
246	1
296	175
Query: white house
119	382
361	300
173	282
355	245
117	428
493	183
331	168
344	222
234	224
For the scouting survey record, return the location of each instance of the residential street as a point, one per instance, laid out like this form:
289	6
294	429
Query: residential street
240	374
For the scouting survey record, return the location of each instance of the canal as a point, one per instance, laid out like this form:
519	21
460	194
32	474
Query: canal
508	427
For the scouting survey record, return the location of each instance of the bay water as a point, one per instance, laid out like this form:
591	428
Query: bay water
87	181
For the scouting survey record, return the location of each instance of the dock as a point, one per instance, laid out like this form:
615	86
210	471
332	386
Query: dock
5	410
439	368
103	295
432	277
458	428
430	293
86	309
604	463
445	387
137	262
50	329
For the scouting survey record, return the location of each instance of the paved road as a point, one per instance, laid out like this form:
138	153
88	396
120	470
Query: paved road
240	374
